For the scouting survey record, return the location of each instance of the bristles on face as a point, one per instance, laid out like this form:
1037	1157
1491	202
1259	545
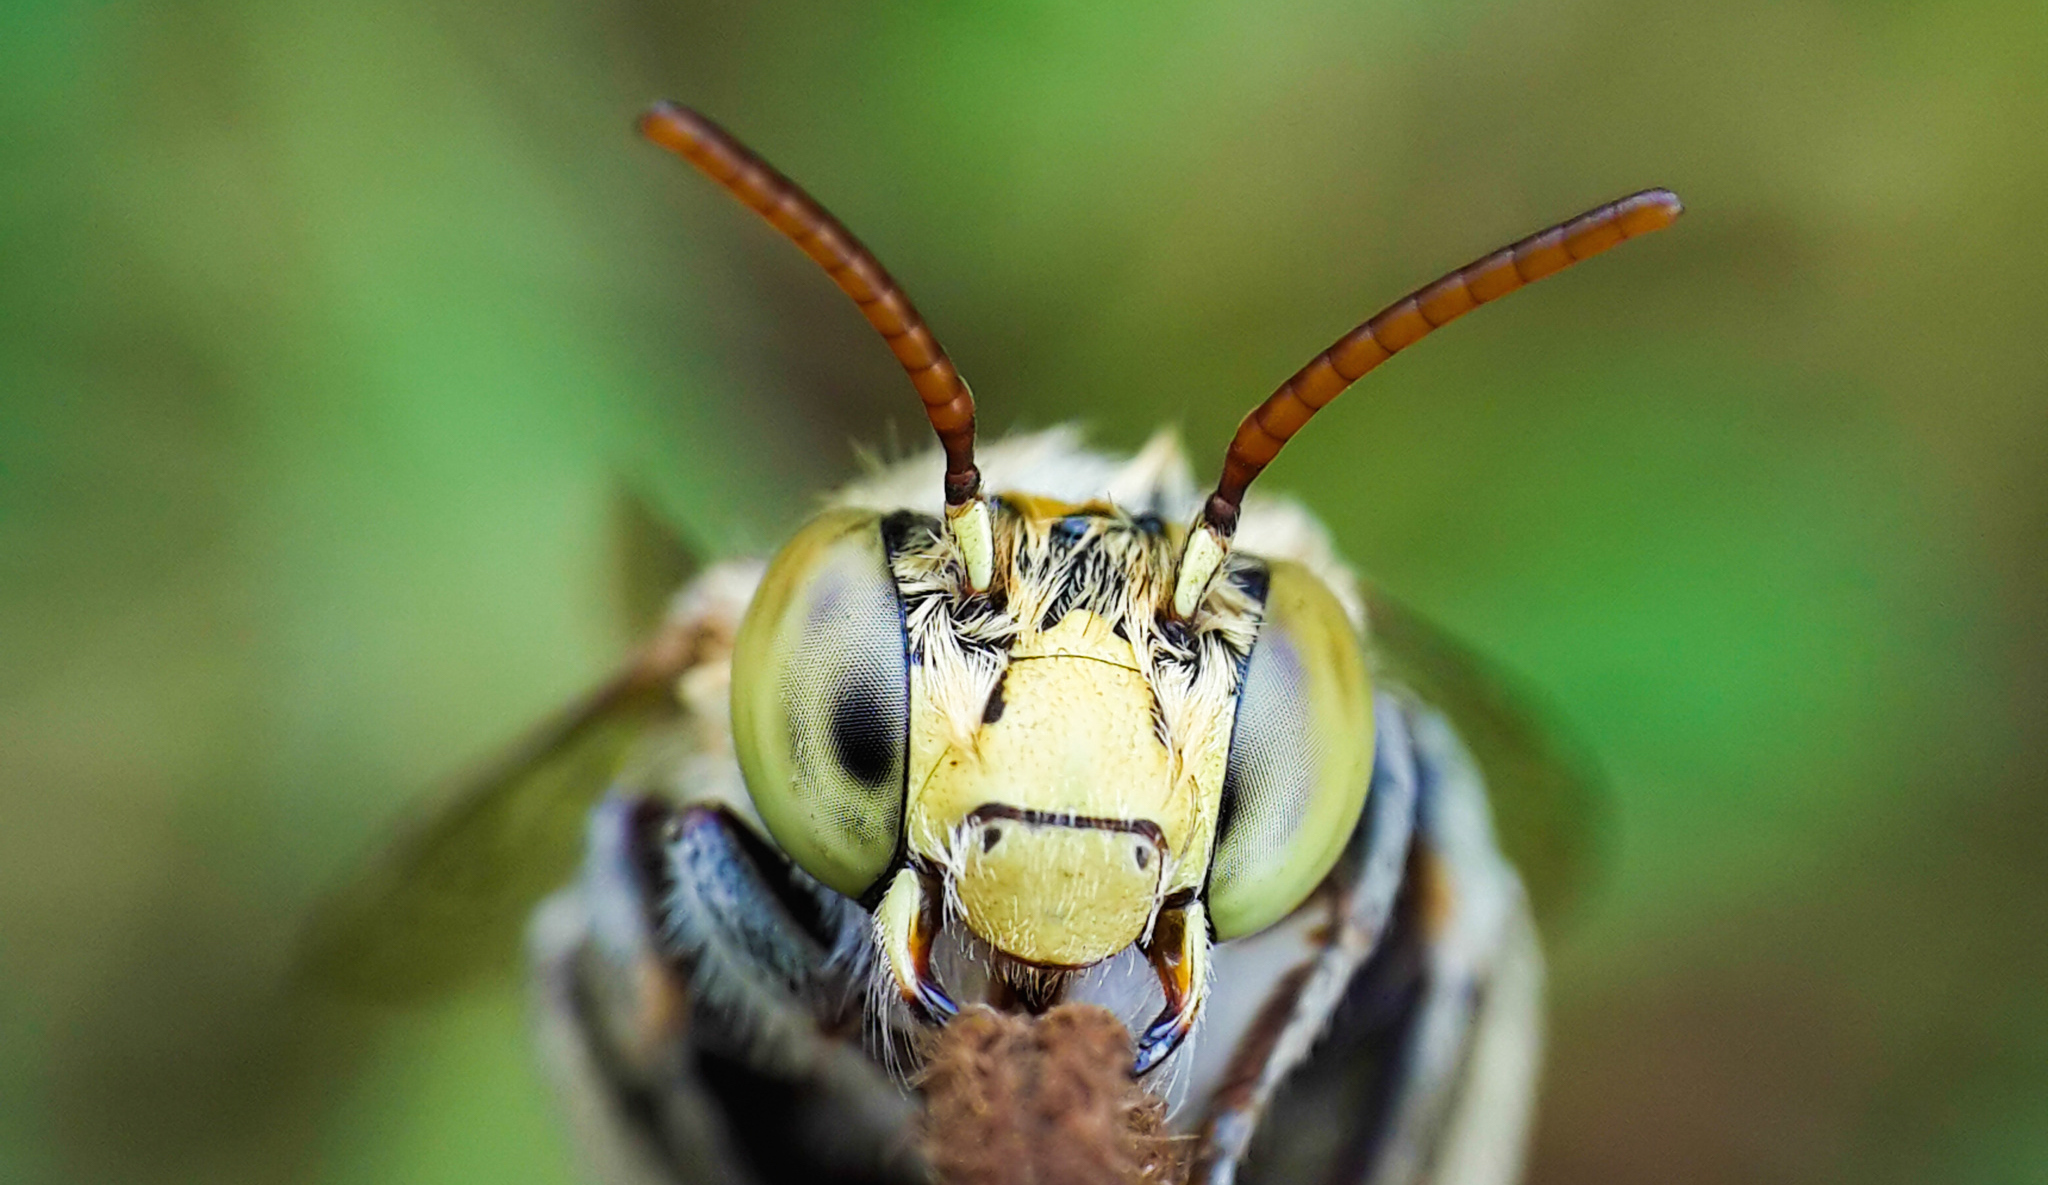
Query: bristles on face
1052	560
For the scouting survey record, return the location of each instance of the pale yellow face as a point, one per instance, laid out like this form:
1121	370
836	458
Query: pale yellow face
1060	752
1109	808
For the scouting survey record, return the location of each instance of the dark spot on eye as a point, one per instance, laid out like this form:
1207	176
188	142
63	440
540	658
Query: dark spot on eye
993	710
1150	523
861	739
990	837
1144	858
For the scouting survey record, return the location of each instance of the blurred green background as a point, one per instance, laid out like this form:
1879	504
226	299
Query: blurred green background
330	333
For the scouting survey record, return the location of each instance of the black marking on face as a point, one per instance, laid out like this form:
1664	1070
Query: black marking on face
993	710
1254	580
1036	818
1090	574
1176	634
907	530
1227	808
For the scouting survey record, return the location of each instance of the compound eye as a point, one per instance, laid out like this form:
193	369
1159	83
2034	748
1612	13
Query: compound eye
821	701
1300	757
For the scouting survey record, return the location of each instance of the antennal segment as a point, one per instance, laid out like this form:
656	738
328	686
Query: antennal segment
1393	329
948	404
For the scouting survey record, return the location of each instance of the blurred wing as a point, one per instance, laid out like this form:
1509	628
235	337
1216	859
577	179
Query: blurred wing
1544	787
448	900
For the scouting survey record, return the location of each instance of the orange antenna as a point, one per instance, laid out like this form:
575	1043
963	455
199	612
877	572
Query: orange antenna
948	404
1391	330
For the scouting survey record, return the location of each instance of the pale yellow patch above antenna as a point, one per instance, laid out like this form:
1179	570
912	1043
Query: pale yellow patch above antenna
971	530
1198	564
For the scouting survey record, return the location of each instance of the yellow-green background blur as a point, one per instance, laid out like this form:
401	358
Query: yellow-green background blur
330	334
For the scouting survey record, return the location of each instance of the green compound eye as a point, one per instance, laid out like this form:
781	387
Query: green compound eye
1300	757
821	701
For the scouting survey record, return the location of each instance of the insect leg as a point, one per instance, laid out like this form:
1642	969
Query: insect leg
1462	1069
1287	1021
612	1013
1425	1066
706	995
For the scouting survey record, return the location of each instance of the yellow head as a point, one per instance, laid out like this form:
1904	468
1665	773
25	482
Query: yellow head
1069	726
1060	756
